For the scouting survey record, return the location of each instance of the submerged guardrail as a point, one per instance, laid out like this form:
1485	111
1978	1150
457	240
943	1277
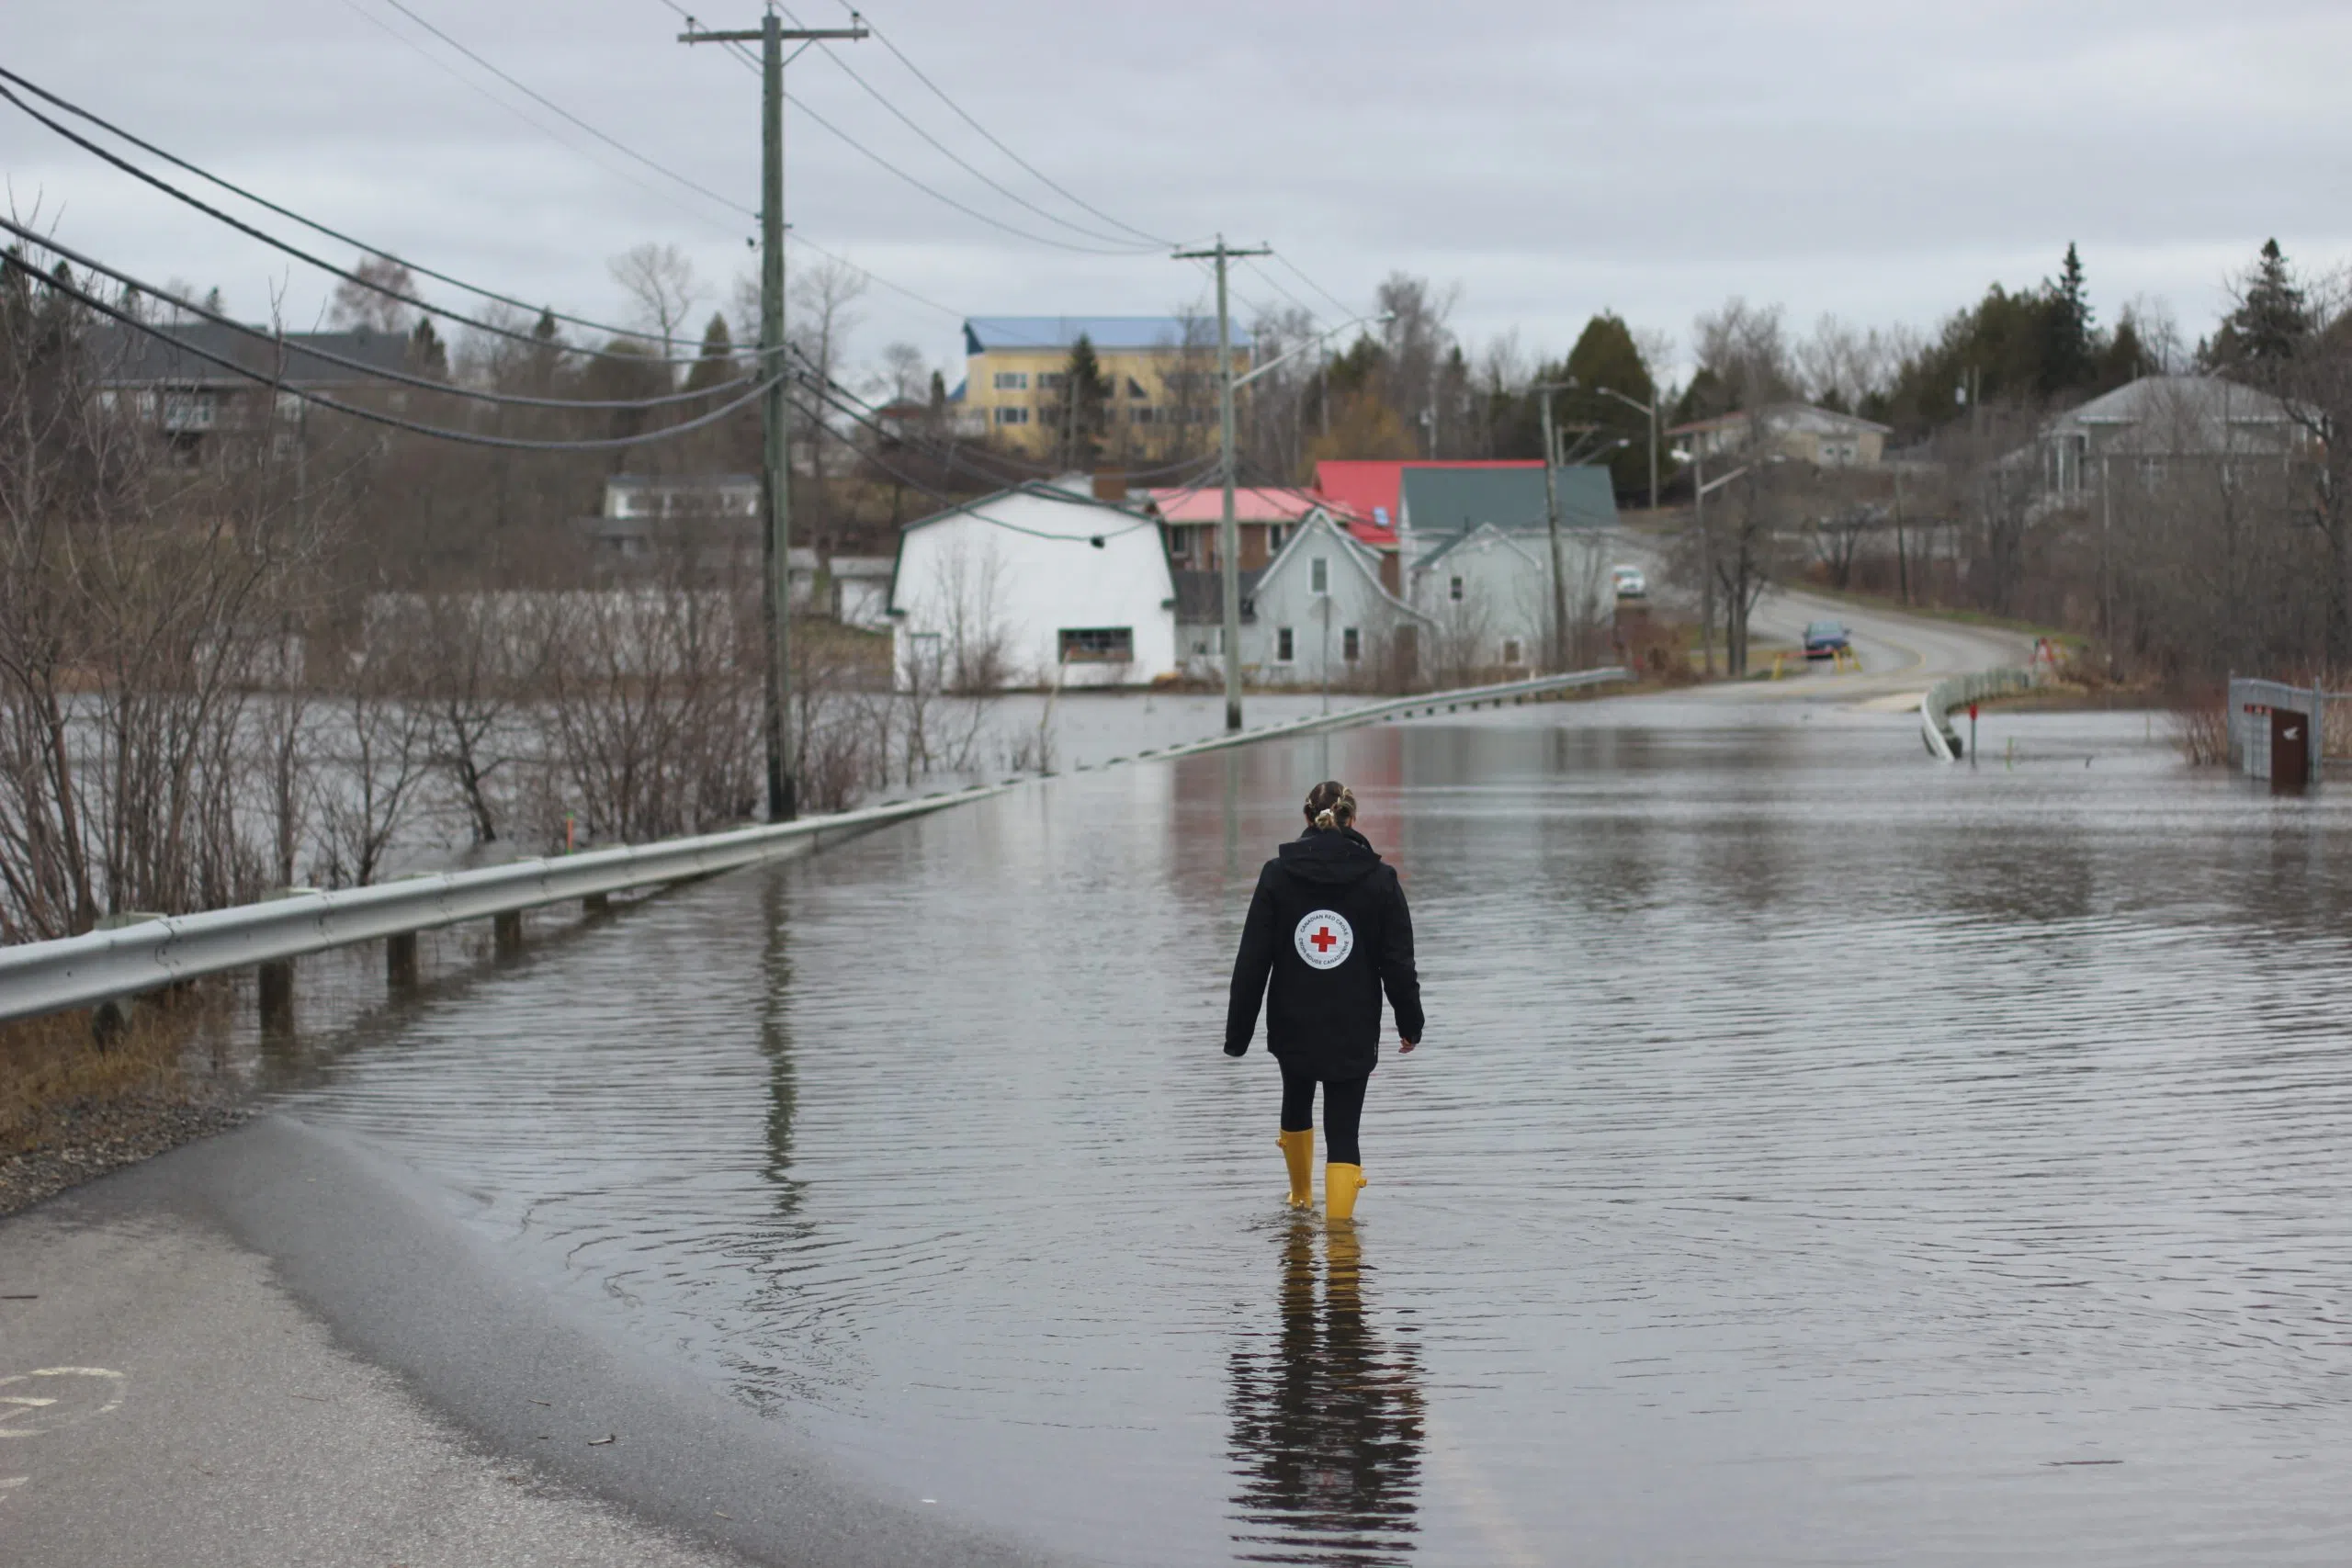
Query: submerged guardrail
144	954
1956	691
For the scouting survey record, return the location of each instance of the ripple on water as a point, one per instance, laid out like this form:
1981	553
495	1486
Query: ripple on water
1816	1156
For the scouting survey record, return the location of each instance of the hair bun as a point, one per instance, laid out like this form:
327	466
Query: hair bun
1324	819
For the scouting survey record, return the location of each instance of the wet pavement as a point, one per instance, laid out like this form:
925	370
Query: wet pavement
1818	1154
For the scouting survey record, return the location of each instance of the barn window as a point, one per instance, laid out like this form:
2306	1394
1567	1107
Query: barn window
1098	645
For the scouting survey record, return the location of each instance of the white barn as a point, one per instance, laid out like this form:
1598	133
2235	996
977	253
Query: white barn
1039	583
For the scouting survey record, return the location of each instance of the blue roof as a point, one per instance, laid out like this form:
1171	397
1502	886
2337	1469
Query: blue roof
982	333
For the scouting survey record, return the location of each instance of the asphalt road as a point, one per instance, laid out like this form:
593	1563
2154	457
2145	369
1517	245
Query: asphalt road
169	1394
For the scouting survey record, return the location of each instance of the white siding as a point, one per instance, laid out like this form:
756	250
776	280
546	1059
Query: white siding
1017	570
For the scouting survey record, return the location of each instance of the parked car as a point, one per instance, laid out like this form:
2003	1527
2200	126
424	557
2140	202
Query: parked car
1826	639
1629	582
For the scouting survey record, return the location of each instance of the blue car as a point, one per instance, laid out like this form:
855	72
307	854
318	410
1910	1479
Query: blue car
1826	639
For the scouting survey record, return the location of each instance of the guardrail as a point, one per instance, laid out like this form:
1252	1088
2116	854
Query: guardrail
1956	691
143	953
103	966
1507	692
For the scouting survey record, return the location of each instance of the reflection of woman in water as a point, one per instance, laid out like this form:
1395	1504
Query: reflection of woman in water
1329	927
1326	1422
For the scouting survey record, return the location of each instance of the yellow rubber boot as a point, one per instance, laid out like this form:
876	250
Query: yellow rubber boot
1340	1185
1298	1152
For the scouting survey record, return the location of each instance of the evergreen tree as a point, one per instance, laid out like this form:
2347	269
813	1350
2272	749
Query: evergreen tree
1085	398
2067	345
716	366
1606	356
2273	319
427	356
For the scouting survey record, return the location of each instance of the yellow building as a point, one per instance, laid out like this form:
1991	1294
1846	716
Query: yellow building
1161	372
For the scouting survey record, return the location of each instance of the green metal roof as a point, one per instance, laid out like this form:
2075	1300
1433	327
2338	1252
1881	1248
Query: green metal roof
1454	501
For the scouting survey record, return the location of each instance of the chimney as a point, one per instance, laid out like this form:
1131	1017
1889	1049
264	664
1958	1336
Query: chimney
1111	484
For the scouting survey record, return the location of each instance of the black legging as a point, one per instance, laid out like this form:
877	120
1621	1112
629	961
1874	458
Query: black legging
1342	1110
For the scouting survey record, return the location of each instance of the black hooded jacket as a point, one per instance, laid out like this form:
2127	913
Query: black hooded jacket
1329	925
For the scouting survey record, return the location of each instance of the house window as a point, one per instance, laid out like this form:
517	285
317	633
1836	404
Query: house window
1511	650
1319	575
1453	589
1051	380
1351	645
1098	645
1013	380
1282	653
1013	416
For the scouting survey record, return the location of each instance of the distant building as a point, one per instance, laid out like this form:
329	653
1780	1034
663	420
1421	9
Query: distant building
1321	613
1161	372
710	512
1191	519
2155	423
164	376
1801	432
1038	583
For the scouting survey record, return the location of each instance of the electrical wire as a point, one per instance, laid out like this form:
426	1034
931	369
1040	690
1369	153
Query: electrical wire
994	142
467	437
863	150
376	372
658	193
287	212
961	163
126	166
1346	310
554	107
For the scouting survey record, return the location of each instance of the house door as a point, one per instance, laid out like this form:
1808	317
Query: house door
1407	644
2290	753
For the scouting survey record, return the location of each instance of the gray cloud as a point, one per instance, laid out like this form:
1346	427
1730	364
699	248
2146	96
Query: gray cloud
1883	162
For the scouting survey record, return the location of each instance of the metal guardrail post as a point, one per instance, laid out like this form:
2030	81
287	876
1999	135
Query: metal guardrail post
506	934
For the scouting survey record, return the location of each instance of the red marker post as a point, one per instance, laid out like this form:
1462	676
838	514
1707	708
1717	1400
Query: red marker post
1971	734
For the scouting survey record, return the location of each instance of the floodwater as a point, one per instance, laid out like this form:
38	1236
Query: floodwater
1818	1156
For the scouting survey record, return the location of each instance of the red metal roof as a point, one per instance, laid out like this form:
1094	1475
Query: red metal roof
1365	491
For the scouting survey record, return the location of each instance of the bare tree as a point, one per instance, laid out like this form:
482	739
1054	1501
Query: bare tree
662	289
372	303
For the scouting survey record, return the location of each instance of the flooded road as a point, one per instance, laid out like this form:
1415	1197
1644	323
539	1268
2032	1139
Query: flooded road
1817	1156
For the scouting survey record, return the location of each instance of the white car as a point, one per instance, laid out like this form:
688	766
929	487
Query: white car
1630	583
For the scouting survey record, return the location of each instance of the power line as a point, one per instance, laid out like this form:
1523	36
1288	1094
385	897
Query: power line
930	190
554	107
305	256
658	193
1039	175
1346	309
437	432
287	212
959	159
344	361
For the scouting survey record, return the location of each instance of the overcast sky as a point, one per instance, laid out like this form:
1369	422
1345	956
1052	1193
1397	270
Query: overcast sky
1880	160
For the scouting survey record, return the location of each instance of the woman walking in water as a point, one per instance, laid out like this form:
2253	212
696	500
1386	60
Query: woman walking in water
1329	925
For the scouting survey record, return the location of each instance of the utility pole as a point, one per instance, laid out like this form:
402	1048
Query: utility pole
1544	391
1228	535
775	424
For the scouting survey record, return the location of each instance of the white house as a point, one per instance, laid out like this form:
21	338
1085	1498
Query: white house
1040	583
1320	612
1488	598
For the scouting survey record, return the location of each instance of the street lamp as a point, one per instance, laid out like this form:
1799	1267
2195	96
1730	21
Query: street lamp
1648	409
